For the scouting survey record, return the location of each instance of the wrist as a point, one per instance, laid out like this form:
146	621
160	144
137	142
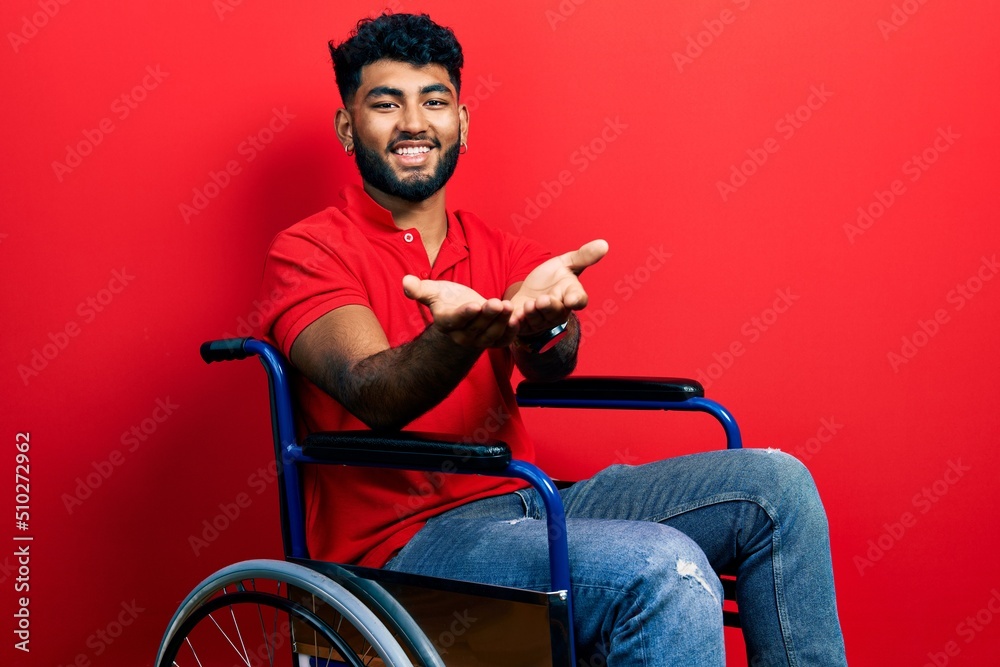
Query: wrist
543	341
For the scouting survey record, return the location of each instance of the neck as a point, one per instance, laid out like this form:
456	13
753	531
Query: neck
428	217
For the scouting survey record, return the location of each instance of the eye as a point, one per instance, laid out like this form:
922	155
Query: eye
384	105
437	103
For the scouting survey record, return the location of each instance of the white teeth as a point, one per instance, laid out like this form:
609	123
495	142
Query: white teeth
412	151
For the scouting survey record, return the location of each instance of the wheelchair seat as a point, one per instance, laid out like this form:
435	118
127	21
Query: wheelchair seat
302	611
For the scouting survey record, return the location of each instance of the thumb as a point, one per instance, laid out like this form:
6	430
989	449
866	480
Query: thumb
423	291
587	255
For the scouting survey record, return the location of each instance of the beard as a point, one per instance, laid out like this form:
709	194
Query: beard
375	170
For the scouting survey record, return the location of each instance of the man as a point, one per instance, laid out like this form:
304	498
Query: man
401	314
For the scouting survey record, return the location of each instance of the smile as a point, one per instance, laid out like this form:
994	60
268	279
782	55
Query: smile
416	150
412	156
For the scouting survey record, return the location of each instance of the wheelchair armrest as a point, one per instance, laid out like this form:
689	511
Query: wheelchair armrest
622	393
405	449
599	392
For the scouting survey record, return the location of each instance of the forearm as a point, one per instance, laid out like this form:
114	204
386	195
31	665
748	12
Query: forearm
556	362
391	388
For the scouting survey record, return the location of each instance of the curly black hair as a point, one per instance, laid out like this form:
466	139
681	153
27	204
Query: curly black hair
408	38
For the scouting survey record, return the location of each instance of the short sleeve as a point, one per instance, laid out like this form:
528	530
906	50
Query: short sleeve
524	255
305	278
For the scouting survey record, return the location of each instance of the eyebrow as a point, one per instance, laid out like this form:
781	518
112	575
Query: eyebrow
381	91
389	91
435	88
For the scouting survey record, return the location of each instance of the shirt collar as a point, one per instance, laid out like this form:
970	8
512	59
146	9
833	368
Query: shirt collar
455	247
365	212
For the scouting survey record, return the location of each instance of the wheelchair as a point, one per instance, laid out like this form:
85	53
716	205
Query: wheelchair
308	613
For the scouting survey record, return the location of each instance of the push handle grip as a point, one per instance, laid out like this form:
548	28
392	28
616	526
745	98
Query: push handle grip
227	349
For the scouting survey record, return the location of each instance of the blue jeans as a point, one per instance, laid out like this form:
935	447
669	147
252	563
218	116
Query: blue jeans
645	543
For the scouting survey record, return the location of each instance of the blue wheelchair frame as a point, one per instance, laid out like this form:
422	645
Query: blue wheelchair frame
435	453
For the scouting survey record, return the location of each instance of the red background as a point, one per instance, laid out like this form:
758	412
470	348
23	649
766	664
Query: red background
542	84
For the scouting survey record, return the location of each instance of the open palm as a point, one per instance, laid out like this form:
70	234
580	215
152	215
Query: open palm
462	313
553	289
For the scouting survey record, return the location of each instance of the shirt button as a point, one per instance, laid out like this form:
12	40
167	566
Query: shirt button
424	275
408	237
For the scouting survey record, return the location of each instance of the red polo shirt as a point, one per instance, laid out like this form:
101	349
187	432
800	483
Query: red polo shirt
357	256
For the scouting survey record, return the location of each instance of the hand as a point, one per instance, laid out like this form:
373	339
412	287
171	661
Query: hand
461	313
546	296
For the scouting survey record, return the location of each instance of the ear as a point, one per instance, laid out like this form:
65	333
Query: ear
344	126
463	124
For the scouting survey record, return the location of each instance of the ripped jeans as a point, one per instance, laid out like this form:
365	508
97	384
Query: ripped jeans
644	542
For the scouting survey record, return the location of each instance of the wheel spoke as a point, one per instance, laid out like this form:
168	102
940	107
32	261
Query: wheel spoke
367	650
263	630
193	652
245	660
247	590
236	624
315	634
274	628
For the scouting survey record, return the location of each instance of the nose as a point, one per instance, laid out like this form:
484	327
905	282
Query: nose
412	119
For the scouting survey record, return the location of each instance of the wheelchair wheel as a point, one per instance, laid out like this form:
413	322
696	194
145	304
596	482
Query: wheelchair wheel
269	612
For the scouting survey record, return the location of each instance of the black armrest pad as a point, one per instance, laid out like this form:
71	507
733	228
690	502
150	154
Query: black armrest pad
587	388
419	451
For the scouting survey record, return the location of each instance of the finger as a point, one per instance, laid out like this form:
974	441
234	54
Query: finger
458	318
543	302
525	317
522	311
536	319
496	306
494	335
493	313
423	291
587	255
499	332
575	297
441	296
544	308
